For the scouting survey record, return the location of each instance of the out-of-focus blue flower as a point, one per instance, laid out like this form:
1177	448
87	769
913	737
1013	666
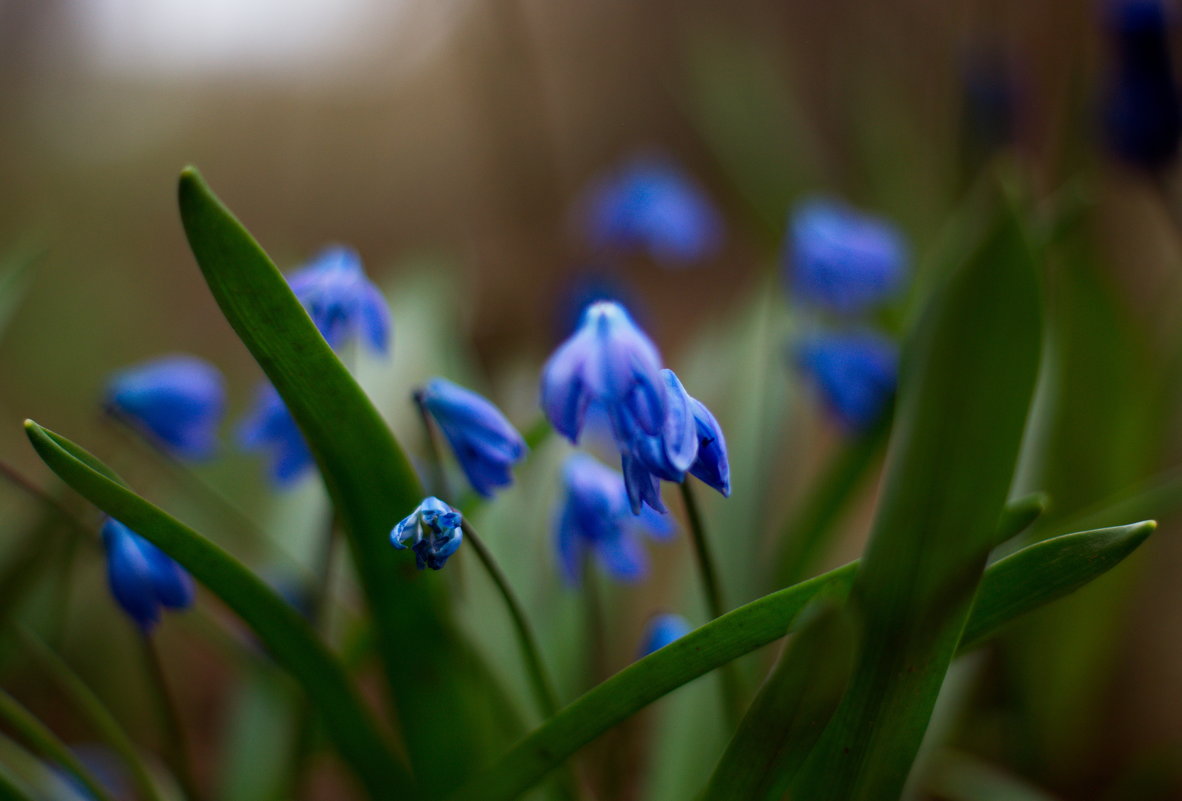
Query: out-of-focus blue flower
434	533
178	400
142	577
611	362
595	518
653	206
270	427
341	300
662	630
1143	110
841	259
485	443
854	372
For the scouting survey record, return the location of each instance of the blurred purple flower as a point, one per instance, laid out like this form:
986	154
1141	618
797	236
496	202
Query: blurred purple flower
142	577
855	374
341	300
177	400
270	427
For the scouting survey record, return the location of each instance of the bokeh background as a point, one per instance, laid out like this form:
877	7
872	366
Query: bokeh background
451	143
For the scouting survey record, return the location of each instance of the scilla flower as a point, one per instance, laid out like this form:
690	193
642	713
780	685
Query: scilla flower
662	630
842	260
270	427
341	300
652	206
434	533
608	361
484	442
177	400
143	578
855	374
595	518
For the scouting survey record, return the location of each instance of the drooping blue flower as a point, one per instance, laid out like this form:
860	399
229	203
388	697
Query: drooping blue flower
661	630
608	361
1143	108
143	578
595	518
434	531
652	206
270	427
711	467
855	374
484	442
842	260
177	400
341	300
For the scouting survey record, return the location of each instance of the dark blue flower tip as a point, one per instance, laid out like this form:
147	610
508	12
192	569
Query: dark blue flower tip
595	518
177	400
143	578
652	206
855	374
434	532
842	260
611	362
485	443
711	467
270	427
341	300
661	630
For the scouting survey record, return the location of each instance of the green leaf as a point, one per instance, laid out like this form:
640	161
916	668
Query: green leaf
1017	587
967	378
1019	515
369	478
790	712
275	622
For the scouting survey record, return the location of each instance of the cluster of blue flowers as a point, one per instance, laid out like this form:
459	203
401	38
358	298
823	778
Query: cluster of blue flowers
840	264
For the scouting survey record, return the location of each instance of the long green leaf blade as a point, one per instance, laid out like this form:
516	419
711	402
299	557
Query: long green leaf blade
276	623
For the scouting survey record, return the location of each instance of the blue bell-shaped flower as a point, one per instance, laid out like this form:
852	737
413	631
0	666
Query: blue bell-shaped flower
341	300
177	400
143	578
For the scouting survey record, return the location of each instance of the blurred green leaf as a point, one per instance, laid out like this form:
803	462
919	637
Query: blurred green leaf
961	777
11	789
278	625
790	712
1018	515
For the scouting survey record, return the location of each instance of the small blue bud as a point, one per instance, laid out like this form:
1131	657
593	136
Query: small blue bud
434	529
611	362
652	206
842	260
662	630
485	443
178	400
712	467
142	577
854	372
341	300
594	517
270	427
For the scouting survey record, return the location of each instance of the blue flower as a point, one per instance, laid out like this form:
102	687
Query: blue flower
595	518
484	442
270	427
142	577
434	528
653	206
842	260
178	400
341	300
608	361
662	630
1143	110
854	372
711	467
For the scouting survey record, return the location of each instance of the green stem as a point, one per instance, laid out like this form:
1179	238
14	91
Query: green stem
176	746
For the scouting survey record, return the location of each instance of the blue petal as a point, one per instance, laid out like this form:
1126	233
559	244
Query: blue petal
179	400
662	630
622	557
170	582
270	427
712	466
565	394
642	486
570	547
129	574
855	374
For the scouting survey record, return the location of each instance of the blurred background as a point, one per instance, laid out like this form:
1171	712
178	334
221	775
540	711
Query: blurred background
453	143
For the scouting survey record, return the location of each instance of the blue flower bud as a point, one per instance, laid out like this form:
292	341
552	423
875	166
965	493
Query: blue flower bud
341	300
609	361
854	372
1143	110
711	467
595	518
434	529
177	400
484	442
142	577
842	260
652	206
270	427
662	630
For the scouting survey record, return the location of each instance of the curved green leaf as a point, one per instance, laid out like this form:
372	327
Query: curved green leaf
276	623
1014	586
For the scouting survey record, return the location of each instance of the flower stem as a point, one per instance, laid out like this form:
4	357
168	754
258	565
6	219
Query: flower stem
176	746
